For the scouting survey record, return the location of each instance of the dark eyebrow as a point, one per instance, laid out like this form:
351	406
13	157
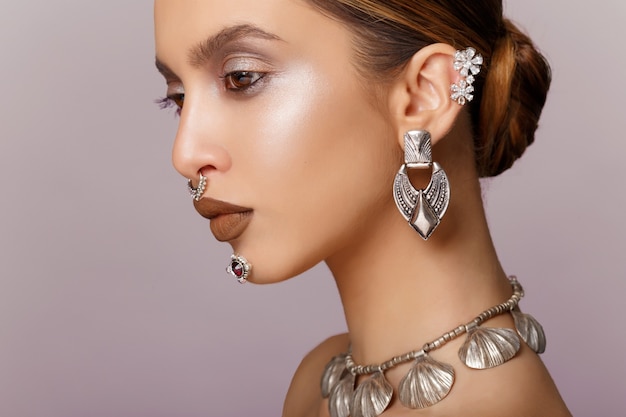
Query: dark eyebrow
203	51
165	70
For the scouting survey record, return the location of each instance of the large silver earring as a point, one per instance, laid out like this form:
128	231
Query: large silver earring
423	209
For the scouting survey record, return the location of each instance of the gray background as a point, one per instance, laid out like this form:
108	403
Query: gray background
113	299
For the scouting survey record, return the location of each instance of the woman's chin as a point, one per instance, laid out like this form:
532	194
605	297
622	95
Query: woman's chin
266	272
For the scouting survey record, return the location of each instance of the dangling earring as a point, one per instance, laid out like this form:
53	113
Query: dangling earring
423	209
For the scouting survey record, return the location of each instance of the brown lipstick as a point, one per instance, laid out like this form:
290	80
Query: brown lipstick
228	221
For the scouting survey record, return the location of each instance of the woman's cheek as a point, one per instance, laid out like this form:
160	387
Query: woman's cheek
289	127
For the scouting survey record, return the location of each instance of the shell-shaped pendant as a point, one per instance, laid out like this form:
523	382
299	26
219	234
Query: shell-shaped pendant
372	397
427	383
332	373
486	347
530	330
341	395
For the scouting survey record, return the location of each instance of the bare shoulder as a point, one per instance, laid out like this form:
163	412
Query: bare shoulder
522	387
304	396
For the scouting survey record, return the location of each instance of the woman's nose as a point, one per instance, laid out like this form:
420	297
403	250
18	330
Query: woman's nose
197	148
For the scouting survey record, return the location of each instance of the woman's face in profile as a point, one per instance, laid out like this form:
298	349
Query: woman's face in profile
276	117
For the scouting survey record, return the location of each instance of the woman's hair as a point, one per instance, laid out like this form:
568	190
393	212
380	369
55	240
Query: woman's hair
510	91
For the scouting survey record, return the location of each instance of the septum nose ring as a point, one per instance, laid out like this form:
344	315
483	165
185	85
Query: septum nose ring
196	193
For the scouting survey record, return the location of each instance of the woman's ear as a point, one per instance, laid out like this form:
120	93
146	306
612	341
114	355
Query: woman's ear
420	96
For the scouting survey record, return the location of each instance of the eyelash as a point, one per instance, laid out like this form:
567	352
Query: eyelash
169	102
177	100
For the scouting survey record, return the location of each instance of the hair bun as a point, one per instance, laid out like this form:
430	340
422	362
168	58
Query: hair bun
513	95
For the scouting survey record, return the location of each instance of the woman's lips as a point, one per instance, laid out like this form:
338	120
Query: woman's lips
227	227
228	221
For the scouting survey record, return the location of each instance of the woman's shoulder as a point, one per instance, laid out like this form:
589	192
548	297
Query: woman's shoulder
520	387
304	397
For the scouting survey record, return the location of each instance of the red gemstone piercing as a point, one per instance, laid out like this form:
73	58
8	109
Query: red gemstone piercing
239	268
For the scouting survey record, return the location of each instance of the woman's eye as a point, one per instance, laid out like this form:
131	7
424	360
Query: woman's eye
174	100
241	80
178	100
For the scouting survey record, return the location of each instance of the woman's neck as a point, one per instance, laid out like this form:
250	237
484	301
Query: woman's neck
399	292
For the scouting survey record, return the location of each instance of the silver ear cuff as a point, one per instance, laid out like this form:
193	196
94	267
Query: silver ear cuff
468	63
196	193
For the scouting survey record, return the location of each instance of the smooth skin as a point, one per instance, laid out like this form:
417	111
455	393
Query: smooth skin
275	114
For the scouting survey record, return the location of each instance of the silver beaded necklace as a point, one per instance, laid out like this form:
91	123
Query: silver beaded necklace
429	381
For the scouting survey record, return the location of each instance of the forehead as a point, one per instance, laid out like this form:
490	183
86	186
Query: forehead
182	24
